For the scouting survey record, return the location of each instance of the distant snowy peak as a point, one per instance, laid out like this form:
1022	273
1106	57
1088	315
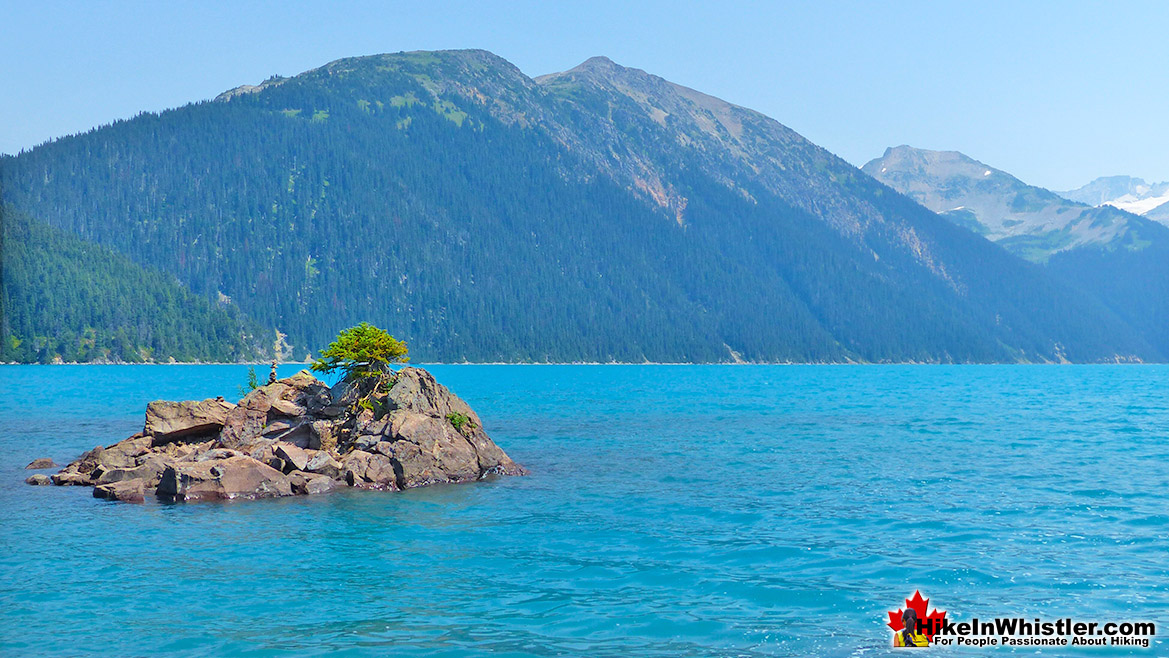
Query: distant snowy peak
1030	221
1138	205
1126	193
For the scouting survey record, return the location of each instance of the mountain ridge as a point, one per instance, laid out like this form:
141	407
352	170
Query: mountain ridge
1117	257
1133	195
598	214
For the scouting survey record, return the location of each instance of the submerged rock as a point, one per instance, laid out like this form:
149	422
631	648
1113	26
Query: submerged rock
38	479
40	464
296	436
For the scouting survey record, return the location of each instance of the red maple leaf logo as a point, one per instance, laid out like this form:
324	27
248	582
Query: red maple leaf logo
930	623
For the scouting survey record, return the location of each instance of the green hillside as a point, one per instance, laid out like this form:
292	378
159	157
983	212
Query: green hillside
65	299
600	214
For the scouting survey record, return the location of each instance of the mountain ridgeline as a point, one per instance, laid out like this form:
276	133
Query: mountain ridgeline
1115	257
600	214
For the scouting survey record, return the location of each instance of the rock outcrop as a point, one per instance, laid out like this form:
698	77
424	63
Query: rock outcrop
295	436
170	421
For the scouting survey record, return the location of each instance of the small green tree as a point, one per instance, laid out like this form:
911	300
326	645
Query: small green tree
252	384
362	351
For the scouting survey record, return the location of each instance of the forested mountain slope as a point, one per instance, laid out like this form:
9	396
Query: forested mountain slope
1116	257
600	214
63	298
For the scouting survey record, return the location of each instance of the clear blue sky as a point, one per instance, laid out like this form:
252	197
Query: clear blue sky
1056	93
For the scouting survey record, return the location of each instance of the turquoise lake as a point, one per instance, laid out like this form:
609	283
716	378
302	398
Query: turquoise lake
671	511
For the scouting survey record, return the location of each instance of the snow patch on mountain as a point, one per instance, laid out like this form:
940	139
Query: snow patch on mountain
1137	205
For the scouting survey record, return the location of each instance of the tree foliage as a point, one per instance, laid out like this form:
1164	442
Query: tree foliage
362	351
64	299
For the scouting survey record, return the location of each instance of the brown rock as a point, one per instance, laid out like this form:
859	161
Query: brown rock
294	425
38	479
324	464
416	390
277	427
293	455
42	463
325	435
300	435
173	421
369	470
429	450
319	485
125	453
68	478
150	471
247	420
283	400
492	459
231	478
287	408
310	483
87	462
129	491
213	454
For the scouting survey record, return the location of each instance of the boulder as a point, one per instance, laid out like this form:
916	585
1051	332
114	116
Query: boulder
323	463
173	421
213	454
287	408
279	410
181	451
326	434
277	427
39	464
231	478
369	471
247	420
150	472
68	478
125	453
129	491
416	390
366	442
86	462
492	459
79	472
38	479
300	435
310	483
293	455
429	450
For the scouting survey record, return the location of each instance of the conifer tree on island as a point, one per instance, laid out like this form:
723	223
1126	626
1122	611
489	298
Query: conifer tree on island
361	352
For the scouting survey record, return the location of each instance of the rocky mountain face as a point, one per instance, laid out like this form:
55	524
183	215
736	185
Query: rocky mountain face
1029	221
1134	195
598	214
293	436
1118	258
1159	214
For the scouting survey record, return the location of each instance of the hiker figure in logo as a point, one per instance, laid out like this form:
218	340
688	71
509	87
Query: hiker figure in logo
909	636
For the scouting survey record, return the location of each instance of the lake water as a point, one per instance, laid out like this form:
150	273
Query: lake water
671	511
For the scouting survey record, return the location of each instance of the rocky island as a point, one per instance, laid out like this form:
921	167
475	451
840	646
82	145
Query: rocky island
294	436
